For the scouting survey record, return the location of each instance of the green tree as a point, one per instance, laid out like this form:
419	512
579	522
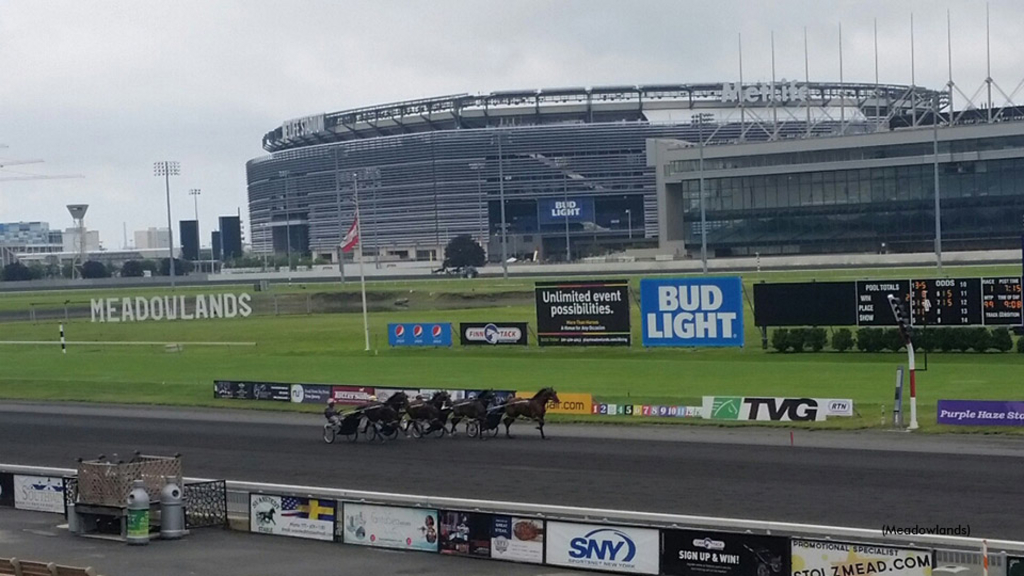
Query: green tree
94	269
780	339
842	340
132	269
815	338
463	251
1001	339
16	272
181	267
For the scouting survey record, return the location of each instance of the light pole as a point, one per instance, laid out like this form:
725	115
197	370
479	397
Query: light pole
194	193
935	166
699	118
341	228
629	221
477	167
501	198
167	168
561	164
287	219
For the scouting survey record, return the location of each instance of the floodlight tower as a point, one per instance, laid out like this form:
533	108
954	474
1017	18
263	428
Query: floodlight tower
167	168
78	213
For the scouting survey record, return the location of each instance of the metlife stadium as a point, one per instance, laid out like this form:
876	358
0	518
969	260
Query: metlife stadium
574	164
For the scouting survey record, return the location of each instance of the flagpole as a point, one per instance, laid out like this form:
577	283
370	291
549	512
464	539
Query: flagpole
362	276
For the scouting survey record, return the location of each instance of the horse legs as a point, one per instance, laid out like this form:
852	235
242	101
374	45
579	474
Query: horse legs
455	421
508	420
540	426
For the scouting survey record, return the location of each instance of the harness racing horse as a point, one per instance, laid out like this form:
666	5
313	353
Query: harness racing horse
534	409
384	417
475	409
429	416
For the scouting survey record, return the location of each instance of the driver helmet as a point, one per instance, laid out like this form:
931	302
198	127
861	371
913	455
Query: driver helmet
331	401
373	397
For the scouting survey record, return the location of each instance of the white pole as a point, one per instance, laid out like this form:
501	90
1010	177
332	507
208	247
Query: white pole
362	276
63	347
913	387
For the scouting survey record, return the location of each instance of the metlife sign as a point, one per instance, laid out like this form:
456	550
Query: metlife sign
692	311
603	547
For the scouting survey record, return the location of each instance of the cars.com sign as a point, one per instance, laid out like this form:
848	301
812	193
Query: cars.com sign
420	334
692	311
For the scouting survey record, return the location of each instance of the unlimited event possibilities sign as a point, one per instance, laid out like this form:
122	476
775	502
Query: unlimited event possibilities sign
200	306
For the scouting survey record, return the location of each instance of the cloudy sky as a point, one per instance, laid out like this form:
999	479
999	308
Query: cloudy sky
105	88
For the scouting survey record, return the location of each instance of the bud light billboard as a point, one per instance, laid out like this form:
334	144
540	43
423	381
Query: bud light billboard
420	334
557	210
692	311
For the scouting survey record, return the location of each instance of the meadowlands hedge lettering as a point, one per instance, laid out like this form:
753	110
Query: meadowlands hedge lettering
200	306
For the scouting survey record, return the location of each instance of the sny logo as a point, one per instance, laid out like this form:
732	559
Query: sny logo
603	544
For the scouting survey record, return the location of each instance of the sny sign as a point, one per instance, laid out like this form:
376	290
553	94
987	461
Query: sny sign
692	311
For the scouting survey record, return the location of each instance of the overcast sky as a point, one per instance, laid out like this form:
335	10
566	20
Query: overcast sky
104	88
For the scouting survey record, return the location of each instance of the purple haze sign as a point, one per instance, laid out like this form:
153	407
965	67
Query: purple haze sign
981	413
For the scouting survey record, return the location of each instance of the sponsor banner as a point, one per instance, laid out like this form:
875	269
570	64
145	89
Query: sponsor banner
500	396
252	390
270	391
351	394
39	493
570	402
421	334
233	390
310	393
603	547
1014	566
428	393
774	409
647	410
517	539
6	489
700	553
390	527
198	307
465	533
493	334
583	313
385	393
309	518
557	210
827	558
692	311
981	413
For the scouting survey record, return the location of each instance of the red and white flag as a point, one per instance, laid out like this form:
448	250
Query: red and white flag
351	238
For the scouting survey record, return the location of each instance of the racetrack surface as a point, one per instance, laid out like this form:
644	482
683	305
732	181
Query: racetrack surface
863	480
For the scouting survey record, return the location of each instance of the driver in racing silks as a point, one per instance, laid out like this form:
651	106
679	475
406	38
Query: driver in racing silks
331	413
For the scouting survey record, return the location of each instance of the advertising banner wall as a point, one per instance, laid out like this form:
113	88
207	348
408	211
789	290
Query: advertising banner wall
420	334
1014	566
252	390
390	527
493	334
570	402
6	489
828	558
774	409
603	547
310	393
465	533
557	210
517	539
692	311
351	394
981	413
39	493
230	390
602	409
292	516
703	553
583	313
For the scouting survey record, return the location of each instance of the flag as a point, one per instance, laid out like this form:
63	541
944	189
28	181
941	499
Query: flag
307	508
351	237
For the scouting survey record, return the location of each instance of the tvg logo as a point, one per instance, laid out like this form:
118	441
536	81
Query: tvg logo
603	544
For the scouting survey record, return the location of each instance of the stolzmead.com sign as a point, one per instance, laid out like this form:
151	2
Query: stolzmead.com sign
692	311
200	306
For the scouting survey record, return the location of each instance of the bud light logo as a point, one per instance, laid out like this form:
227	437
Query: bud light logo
692	312
604	544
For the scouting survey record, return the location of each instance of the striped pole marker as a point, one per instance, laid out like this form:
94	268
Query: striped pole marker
984	556
63	346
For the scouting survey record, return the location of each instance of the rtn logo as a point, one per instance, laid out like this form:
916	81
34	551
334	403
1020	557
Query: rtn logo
603	544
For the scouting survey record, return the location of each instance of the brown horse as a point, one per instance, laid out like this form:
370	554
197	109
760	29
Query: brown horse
385	416
534	409
426	416
471	408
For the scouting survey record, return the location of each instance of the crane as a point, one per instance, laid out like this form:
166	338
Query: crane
27	176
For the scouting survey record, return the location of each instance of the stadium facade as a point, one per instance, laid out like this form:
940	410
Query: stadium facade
570	163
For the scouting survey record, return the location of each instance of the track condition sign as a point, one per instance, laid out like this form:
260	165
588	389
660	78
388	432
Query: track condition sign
1001	301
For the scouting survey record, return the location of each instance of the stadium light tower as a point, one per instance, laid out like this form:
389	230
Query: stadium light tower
194	193
287	219
476	167
167	168
699	119
501	136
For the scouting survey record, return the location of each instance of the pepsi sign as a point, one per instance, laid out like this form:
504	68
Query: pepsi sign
420	334
600	547
493	333
692	311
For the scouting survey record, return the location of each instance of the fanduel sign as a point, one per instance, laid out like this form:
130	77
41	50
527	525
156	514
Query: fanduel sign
200	306
692	311
782	92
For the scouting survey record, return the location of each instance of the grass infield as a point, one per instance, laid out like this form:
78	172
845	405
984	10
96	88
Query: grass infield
329	348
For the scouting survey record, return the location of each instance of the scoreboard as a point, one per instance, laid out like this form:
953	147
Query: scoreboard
1001	301
946	302
928	302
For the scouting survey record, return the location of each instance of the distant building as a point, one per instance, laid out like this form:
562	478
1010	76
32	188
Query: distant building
215	241
72	243
189	233
231	237
152	238
30	238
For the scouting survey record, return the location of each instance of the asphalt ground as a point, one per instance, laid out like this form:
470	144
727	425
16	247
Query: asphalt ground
37	536
856	479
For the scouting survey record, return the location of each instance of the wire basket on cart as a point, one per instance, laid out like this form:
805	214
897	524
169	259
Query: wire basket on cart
105	483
